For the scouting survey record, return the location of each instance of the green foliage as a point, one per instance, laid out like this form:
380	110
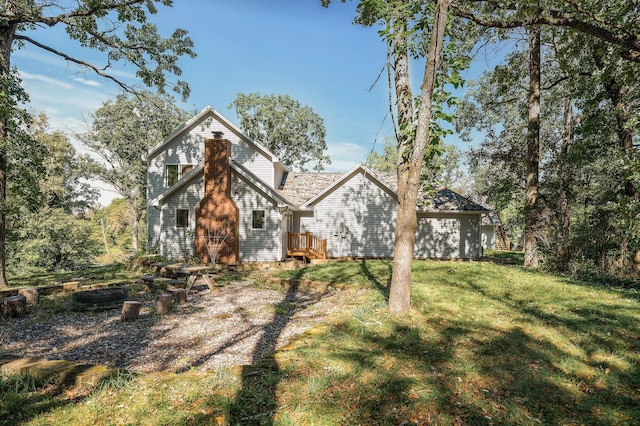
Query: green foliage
19	394
46	185
51	239
119	29
113	224
441	171
116	28
63	183
122	132
387	161
293	132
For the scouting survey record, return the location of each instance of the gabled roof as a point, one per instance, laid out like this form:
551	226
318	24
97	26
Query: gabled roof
345	177
258	183
208	110
197	172
299	187
305	188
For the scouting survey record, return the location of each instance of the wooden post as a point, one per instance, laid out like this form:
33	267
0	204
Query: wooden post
309	240
179	296
130	310
14	307
31	294
165	302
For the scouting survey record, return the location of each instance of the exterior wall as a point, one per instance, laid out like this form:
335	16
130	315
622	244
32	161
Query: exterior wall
488	236
448	236
177	243
257	244
357	219
188	148
153	229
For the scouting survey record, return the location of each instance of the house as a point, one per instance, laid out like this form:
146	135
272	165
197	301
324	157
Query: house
213	192
493	233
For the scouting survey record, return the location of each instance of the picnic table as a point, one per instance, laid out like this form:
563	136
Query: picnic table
192	271
195	272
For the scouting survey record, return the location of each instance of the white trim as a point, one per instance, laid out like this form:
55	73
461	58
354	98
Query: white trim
259	184
198	117
181	183
348	175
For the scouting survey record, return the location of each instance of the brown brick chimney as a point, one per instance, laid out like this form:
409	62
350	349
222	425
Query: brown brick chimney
217	215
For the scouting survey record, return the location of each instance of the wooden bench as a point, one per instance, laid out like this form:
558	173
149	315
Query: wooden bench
151	280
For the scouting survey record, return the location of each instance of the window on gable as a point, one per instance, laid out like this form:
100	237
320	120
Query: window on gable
175	172
182	218
185	168
258	221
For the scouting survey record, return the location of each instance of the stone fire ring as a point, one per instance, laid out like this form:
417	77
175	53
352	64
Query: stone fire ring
102	297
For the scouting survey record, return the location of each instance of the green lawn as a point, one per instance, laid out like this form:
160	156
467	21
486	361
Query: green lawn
484	343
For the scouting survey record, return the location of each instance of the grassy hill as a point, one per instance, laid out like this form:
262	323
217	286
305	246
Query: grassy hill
484	343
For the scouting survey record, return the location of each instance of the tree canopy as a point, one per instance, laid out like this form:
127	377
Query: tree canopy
293	132
121	132
117	28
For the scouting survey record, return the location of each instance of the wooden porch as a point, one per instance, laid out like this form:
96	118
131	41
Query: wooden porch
306	246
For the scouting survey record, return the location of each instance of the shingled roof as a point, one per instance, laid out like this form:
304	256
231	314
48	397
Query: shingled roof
300	187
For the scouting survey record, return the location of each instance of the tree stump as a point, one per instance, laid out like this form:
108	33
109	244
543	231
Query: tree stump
179	296
14	306
31	294
165	302
130	310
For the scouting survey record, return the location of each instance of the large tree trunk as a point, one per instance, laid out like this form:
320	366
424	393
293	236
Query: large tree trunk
617	94
565	192
531	211
410	159
7	32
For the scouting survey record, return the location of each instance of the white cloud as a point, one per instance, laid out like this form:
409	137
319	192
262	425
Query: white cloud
45	79
345	155
86	82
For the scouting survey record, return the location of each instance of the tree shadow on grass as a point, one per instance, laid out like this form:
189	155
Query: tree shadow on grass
256	402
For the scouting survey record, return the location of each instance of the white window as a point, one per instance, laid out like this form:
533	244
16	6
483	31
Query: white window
258	219
175	172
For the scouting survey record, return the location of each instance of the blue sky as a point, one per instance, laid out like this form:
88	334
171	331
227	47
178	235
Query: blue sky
293	47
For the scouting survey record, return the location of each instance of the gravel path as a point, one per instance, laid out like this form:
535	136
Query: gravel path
228	326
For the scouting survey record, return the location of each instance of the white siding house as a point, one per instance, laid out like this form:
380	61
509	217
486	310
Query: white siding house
355	212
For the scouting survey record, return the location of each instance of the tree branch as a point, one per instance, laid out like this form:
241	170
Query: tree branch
127	88
83	13
628	41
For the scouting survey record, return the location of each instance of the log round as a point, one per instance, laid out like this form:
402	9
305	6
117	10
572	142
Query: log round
179	296
130	310
31	294
13	307
165	302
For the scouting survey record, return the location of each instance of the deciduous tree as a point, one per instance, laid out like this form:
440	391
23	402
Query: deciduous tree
121	133
117	28
412	29
293	132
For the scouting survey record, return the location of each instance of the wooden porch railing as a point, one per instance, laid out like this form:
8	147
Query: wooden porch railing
306	245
